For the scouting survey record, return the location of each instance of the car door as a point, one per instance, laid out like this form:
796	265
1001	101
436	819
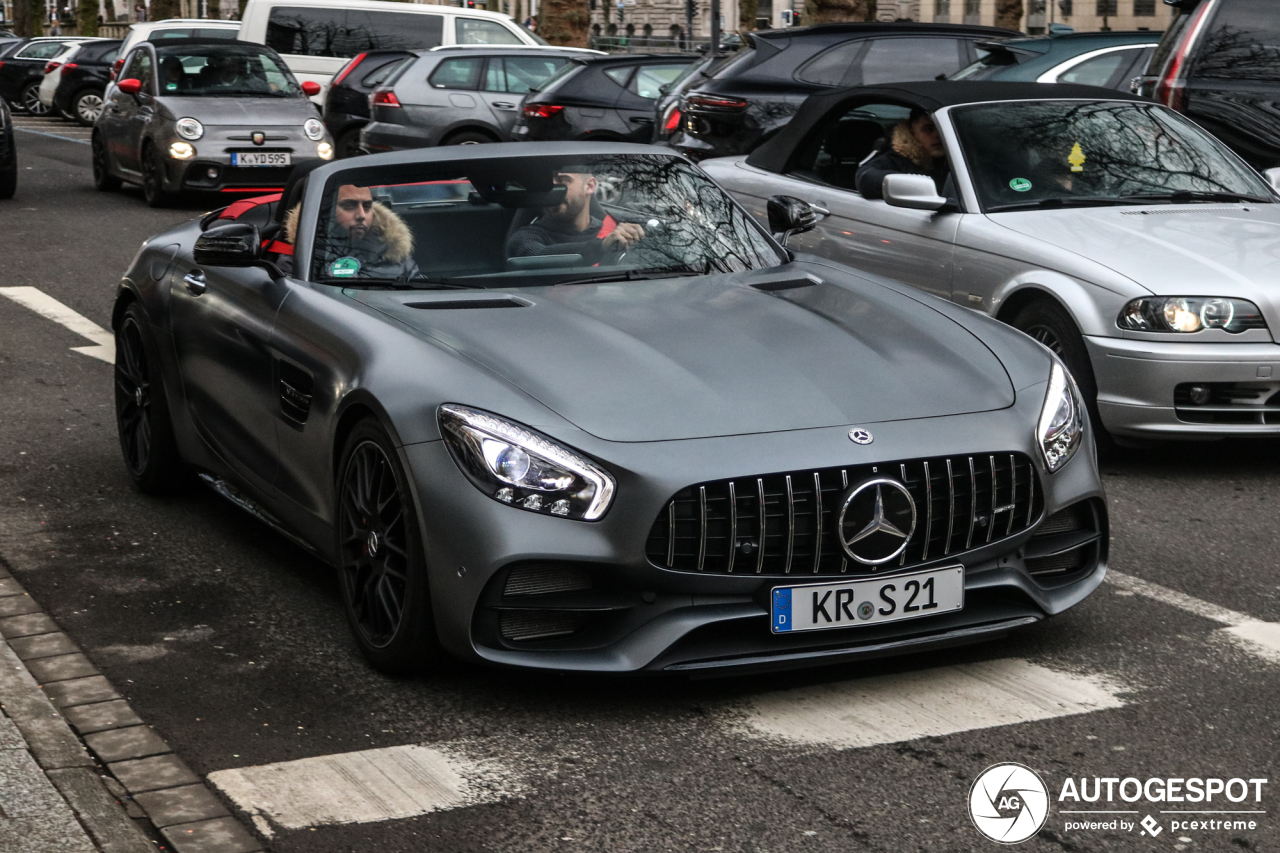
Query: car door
128	115
222	319
636	105
452	94
503	106
509	78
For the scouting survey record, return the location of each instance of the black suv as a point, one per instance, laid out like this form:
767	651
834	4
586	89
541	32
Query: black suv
1219	62
346	107
83	81
756	92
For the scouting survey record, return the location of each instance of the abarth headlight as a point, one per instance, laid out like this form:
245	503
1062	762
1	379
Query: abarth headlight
314	129
1061	422
182	151
325	151
189	128
1188	314
516	466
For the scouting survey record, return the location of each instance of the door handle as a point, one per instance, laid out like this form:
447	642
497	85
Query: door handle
504	105
641	120
195	282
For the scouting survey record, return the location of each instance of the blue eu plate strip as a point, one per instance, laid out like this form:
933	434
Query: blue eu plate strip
782	610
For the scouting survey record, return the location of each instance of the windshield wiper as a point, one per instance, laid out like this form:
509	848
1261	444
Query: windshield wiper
420	283
1053	203
639	274
1190	196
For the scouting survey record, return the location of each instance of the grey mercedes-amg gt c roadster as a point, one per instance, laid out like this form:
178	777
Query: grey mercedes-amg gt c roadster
568	406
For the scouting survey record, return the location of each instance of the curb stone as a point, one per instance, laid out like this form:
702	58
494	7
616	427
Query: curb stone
136	779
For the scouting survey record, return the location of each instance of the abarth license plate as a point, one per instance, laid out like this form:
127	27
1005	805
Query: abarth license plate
848	604
261	158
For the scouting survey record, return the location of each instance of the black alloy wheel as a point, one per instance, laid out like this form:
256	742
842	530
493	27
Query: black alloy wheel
86	107
102	177
29	100
153	178
1047	322
381	558
142	408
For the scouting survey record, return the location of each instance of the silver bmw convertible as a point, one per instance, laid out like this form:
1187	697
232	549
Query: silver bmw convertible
1115	231
568	406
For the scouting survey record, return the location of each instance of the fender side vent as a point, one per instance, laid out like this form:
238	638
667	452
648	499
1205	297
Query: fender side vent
295	386
461	304
788	284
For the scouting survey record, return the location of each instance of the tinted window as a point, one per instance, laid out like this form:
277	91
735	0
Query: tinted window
139	68
619	75
1099	70
524	73
346	32
832	154
477	31
1243	42
830	67
900	60
379	75
461	73
650	79
40	50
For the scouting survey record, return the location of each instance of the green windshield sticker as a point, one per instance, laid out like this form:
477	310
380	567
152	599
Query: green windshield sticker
344	267
171	87
1019	185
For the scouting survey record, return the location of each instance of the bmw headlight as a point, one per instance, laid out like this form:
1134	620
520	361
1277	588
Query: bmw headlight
1061	419
1187	314
189	128
314	129
517	466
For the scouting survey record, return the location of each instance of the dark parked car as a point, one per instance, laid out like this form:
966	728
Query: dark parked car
458	95
755	93
22	69
1109	60
8	154
1219	62
84	81
346	107
607	97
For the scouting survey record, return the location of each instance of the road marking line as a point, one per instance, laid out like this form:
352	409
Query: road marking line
1254	635
52	135
51	309
928	703
360	787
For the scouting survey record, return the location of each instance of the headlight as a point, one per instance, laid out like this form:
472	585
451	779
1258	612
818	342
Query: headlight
189	128
313	129
325	150
516	466
1187	314
1061	420
182	151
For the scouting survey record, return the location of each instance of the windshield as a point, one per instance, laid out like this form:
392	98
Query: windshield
532	221
1029	154
218	71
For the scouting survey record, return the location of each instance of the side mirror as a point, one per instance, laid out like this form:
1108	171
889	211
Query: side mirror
310	88
235	244
790	215
917	192
130	85
1273	178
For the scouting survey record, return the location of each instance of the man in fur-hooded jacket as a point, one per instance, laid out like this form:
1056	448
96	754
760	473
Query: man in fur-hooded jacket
365	239
915	149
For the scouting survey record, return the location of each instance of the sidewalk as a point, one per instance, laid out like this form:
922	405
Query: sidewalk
58	797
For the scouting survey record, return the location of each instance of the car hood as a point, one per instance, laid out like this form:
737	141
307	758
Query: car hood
711	356
1172	250
264	112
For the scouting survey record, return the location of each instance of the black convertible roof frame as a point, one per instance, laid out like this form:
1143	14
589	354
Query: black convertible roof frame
930	96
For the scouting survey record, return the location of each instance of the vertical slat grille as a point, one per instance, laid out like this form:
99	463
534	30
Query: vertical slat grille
790	520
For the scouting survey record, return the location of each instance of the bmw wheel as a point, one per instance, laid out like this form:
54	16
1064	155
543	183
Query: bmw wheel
86	107
142	408
29	100
102	177
382	561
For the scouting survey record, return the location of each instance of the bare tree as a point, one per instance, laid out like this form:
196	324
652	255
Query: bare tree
26	17
564	22
835	11
161	9
1009	14
747	11
87	18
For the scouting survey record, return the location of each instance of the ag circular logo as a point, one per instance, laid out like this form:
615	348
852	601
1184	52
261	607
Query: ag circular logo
876	521
1008	803
860	436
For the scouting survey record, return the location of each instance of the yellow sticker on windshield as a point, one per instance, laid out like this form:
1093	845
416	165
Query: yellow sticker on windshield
1077	158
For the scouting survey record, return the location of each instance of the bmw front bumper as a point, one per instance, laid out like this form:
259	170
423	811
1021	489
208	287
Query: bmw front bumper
487	559
1145	387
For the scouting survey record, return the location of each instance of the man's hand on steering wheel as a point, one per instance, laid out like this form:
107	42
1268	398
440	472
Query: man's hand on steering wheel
623	237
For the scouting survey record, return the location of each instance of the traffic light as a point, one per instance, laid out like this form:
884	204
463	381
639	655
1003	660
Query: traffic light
690	9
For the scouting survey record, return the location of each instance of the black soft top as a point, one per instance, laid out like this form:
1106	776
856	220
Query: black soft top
929	96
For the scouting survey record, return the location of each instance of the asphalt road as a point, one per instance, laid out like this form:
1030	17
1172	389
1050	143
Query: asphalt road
231	642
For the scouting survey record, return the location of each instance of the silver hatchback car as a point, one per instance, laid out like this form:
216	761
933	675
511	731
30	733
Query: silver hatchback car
1113	230
208	116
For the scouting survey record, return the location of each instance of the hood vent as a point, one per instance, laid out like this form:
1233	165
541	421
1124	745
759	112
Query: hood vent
459	304
1195	208
786	284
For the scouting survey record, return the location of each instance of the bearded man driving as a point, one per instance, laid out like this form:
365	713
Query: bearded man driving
570	229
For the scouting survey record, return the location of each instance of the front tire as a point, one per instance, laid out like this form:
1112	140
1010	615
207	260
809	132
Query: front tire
382	562
1050	324
103	180
153	179
142	408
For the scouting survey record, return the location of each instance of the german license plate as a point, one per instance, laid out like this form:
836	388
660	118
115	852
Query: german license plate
848	604
261	158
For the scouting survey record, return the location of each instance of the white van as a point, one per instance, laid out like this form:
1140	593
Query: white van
317	37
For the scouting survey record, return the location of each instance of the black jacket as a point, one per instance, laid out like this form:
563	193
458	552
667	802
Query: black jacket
871	174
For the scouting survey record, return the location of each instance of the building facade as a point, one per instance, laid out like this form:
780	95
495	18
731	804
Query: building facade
1083	15
659	23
